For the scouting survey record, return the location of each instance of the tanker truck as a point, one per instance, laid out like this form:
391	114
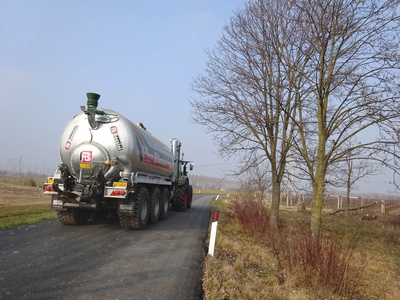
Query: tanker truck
110	165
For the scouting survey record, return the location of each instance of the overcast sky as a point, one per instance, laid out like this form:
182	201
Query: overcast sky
140	56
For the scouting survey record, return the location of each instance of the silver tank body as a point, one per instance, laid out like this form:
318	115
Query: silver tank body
115	146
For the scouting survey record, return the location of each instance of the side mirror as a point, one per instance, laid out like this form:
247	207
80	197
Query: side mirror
191	166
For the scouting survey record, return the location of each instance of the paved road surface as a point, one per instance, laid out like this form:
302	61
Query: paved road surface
103	261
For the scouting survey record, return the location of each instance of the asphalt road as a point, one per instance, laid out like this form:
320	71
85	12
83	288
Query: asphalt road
102	261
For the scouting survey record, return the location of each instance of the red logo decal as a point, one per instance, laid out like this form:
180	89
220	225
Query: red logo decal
114	129
67	145
86	156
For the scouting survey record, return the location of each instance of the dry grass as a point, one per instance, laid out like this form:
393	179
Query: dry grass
22	202
22	191
354	260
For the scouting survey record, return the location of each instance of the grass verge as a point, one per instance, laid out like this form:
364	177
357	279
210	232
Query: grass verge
354	259
16	215
212	192
22	202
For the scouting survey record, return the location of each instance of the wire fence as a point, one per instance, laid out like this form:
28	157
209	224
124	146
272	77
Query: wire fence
339	203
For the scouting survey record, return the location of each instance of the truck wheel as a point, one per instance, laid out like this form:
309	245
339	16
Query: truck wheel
181	198
190	197
126	222
73	217
141	214
155	200
164	205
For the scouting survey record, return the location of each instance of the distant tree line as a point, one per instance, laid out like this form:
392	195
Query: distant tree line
27	174
212	183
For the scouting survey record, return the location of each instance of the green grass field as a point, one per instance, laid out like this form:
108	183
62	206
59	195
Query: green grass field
16	215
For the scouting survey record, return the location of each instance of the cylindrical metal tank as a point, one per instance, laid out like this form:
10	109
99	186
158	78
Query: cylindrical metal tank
106	141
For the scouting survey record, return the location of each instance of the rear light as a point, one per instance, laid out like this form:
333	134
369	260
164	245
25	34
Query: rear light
48	188
117	193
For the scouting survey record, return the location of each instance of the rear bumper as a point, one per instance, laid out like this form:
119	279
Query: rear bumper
64	204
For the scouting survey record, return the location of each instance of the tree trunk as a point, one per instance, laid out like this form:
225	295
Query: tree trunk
320	173
348	201
276	198
318	202
348	185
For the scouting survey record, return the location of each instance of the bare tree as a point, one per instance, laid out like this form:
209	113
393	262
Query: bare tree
352	85
257	178
246	96
353	168
295	80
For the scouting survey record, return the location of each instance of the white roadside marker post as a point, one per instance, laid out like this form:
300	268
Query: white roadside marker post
213	233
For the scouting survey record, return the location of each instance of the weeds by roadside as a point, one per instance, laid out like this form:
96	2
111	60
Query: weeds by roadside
254	261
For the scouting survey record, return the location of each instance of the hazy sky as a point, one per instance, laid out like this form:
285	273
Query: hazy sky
140	56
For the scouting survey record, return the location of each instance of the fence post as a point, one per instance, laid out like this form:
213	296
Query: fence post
213	233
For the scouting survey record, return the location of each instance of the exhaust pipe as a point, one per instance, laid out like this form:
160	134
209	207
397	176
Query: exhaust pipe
92	100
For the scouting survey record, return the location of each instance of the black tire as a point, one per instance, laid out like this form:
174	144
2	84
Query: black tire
155	206
141	214
73	217
190	197
181	198
140	217
126	222
164	205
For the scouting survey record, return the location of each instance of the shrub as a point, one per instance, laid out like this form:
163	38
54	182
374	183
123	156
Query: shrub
326	262
253	216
